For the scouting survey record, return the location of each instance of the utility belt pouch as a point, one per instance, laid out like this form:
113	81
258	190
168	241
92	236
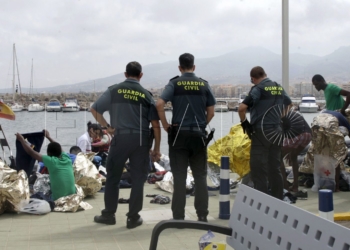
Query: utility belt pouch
209	137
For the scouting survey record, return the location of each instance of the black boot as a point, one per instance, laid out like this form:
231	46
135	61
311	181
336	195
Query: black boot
108	220
132	223
202	218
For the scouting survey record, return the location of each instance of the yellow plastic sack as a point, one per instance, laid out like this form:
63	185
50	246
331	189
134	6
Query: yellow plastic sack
235	145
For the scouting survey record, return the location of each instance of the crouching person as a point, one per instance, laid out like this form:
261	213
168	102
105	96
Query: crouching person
58	163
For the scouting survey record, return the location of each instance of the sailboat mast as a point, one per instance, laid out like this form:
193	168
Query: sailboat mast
13	72
19	82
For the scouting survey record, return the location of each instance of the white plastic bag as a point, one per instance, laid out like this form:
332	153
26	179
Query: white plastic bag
164	161
324	172
167	184
158	167
34	206
213	172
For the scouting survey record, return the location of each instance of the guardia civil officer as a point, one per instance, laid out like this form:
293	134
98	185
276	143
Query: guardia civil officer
265	157
131	109
193	108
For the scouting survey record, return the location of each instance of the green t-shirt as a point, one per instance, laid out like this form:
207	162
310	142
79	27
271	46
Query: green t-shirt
61	175
333	98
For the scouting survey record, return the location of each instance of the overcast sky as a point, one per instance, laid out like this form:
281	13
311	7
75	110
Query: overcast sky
73	41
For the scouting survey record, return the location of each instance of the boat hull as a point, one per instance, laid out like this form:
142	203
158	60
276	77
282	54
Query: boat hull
221	109
53	109
70	109
71	105
35	108
17	108
53	106
308	109
308	104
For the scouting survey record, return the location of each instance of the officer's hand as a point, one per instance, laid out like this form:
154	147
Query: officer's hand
167	128
247	128
110	130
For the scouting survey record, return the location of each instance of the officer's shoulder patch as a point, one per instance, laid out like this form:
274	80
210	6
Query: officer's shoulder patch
203	79
174	78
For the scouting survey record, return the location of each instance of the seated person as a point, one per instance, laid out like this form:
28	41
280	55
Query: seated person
73	151
101	146
84	141
59	165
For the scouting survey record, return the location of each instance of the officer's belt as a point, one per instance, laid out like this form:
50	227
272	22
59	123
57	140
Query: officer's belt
125	131
195	129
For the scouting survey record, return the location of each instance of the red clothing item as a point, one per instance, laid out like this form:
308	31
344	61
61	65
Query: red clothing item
103	144
301	140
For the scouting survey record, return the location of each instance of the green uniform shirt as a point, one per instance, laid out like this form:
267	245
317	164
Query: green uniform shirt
61	175
333	98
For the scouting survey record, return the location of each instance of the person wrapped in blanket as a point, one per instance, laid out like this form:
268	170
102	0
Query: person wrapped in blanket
100	145
291	148
58	163
344	127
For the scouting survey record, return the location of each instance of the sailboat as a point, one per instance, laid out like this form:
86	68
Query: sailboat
15	107
34	107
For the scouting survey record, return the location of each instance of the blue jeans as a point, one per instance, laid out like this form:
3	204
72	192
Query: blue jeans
97	161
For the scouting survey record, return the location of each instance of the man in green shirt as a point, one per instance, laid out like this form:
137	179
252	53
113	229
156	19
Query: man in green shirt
332	93
59	165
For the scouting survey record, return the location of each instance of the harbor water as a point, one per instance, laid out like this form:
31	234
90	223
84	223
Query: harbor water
66	128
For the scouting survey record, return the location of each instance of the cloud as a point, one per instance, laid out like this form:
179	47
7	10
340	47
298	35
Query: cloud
74	41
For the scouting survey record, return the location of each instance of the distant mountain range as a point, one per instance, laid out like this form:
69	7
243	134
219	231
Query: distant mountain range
230	68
